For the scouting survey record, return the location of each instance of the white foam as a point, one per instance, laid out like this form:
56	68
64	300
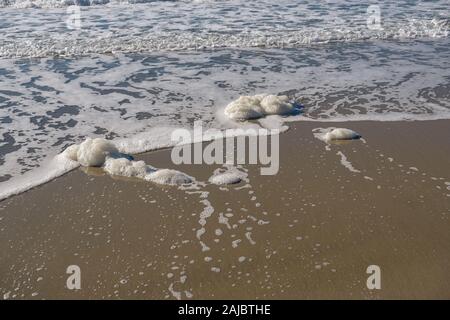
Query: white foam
258	106
231	175
169	177
341	134
152	139
127	168
103	153
207	211
225	178
71	152
112	156
92	152
334	134
346	163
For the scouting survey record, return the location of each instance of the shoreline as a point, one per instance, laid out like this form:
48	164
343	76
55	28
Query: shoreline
52	170
311	236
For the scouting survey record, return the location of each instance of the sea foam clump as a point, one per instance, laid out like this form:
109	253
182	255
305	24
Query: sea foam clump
231	176
258	106
127	168
91	152
169	176
102	153
335	134
225	178
342	134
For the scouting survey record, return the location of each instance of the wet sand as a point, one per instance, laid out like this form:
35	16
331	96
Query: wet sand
308	232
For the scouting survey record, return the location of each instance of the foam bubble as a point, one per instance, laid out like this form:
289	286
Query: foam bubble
258	106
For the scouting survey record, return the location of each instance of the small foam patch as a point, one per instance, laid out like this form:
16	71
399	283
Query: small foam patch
335	134
231	176
169	177
258	106
127	168
225	178
342	134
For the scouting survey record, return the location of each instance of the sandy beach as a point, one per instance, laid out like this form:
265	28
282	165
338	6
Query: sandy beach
309	232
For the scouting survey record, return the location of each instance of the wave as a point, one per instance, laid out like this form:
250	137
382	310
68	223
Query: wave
22	4
185	40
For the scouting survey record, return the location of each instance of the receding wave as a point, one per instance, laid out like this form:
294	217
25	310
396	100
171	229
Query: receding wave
66	3
131	26
185	40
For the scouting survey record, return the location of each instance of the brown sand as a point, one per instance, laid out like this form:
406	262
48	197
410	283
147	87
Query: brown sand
308	232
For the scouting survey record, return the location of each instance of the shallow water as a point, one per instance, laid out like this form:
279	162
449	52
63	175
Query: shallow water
133	68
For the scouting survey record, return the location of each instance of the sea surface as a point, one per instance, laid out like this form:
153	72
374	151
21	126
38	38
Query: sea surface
134	69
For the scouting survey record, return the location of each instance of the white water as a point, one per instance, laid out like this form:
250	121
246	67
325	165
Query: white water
192	25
